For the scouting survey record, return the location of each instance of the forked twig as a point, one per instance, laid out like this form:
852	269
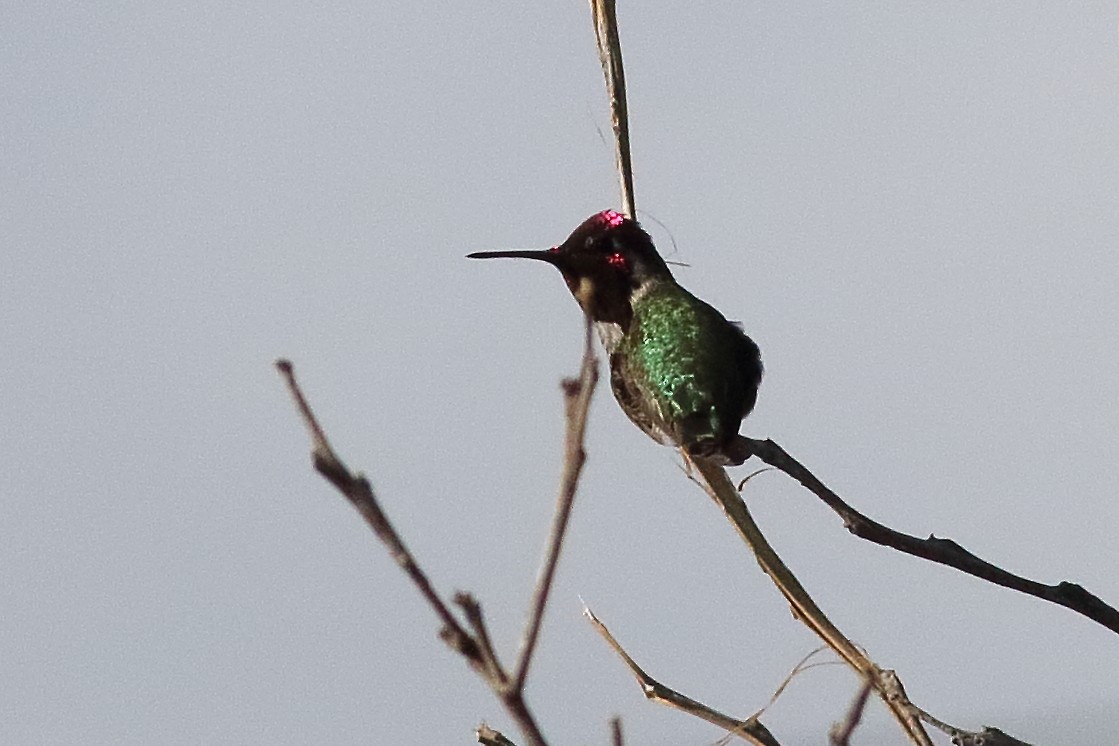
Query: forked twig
472	610
474	644
356	489
713	478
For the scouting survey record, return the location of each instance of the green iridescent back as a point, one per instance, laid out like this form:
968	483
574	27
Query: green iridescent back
682	372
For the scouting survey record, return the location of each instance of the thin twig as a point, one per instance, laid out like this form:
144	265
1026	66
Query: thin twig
750	729
490	737
987	737
610	55
616	732
472	610
840	734
802	665
942	551
577	401
358	491
476	648
713	478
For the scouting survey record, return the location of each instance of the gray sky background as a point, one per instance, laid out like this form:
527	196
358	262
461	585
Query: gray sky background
914	210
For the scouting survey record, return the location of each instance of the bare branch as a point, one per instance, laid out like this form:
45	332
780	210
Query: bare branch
577	395
713	478
942	551
987	737
840	734
718	484
750	729
472	610
610	55
360	494
476	647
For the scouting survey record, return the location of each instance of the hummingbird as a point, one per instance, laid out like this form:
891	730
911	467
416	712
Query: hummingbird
679	370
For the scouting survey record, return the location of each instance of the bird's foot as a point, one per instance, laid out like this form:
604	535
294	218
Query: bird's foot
732	453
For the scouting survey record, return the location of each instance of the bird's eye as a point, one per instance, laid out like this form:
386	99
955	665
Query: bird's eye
617	261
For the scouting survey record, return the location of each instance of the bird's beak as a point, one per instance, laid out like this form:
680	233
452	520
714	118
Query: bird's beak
544	255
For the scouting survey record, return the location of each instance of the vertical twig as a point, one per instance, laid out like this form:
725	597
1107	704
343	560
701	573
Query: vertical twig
840	734
616	732
714	478
610	55
577	401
